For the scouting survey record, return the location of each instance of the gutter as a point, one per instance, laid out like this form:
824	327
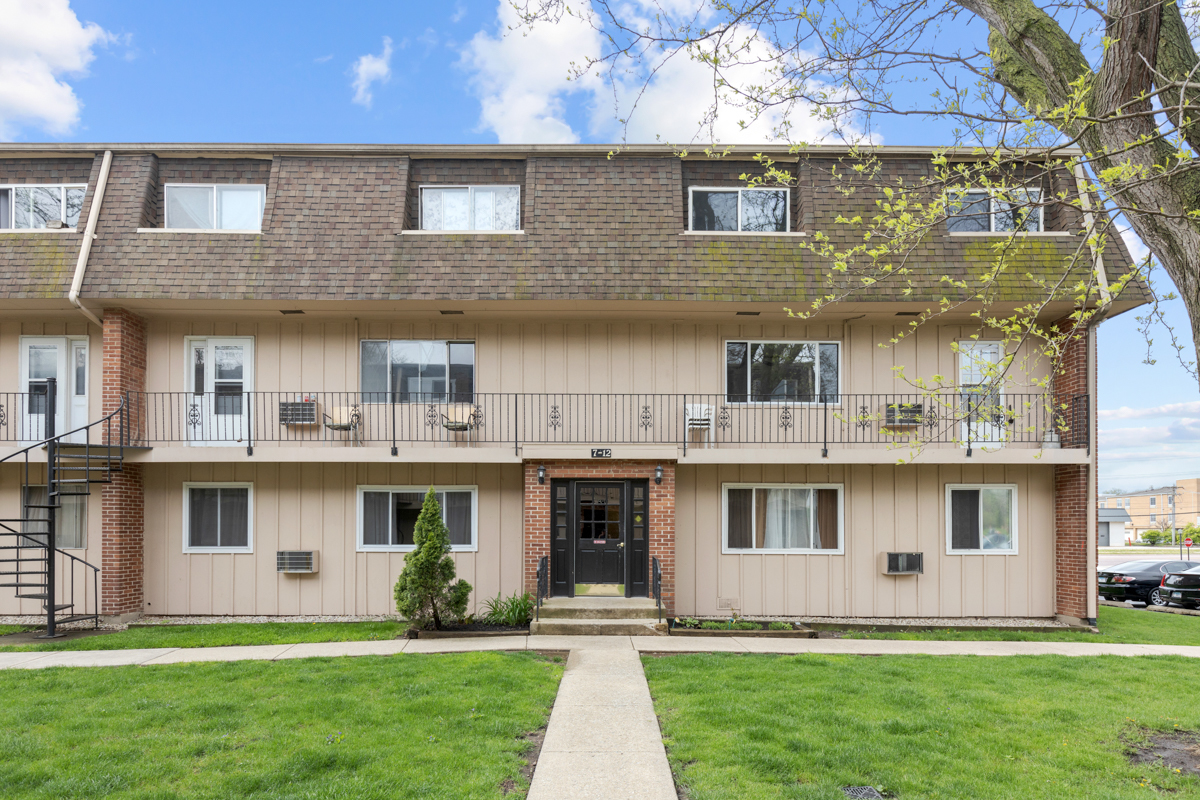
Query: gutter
89	234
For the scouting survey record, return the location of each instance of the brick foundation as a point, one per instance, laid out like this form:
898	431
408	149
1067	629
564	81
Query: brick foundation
122	557
1074	579
662	511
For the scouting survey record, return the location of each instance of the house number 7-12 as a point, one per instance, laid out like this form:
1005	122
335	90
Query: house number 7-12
601	452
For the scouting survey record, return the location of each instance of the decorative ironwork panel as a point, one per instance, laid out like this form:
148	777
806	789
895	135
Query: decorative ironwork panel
432	416
785	418
864	417
723	418
647	417
193	415
555	417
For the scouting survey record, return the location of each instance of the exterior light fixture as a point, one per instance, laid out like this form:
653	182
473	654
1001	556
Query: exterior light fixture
541	474
658	474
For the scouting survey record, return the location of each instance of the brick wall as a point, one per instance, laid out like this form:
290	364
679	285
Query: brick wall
662	511
122	556
1072	577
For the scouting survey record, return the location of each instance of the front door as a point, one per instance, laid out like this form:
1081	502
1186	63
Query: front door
599	538
220	379
981	395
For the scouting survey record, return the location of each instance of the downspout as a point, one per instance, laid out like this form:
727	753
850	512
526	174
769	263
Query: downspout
1089	220
89	234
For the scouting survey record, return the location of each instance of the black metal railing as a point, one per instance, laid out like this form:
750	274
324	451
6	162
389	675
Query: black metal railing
966	418
656	584
543	584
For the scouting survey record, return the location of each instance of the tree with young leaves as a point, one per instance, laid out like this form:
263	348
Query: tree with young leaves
426	591
1106	95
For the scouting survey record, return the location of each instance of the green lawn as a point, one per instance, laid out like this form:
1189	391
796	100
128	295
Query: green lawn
1117	625
445	726
7	629
224	634
919	726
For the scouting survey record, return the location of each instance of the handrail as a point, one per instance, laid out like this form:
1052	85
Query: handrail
56	437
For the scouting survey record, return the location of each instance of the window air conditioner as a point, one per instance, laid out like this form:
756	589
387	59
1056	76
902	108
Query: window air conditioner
902	563
296	561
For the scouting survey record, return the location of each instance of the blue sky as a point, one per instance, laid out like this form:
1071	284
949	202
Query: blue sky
402	71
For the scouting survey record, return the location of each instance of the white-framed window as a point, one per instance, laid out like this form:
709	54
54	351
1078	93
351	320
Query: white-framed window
781	372
1153	502
387	516
1170	500
70	520
723	208
417	371
782	518
470	208
994	211
31	206
218	517
214	206
981	518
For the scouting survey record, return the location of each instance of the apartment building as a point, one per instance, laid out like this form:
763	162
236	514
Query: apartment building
1156	508
589	359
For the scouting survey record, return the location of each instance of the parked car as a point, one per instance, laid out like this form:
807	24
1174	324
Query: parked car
1182	588
1139	580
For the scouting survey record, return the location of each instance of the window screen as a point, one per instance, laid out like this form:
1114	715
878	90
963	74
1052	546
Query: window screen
219	516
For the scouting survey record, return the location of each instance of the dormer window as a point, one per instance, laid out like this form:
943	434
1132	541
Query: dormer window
43	206
470	208
739	210
227	207
995	211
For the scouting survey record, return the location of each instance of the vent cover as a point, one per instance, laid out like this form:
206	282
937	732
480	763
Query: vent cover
902	563
297	412
296	561
862	792
727	602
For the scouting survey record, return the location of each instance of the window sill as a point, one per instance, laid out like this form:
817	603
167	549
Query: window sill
725	551
997	234
744	233
408	548
981	552
27	231
204	231
194	551
461	233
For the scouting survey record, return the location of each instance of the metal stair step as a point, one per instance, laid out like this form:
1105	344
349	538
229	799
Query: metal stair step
27	572
60	607
41	596
23	585
76	618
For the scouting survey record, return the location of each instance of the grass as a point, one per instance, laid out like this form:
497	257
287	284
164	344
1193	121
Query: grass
7	629
919	726
1117	626
370	727
224	634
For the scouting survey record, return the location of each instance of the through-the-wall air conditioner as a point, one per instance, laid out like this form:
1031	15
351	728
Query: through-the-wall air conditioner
902	563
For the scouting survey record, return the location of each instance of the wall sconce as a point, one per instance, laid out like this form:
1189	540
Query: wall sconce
541	474
658	474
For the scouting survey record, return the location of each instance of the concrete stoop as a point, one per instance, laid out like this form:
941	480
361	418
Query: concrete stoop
598	616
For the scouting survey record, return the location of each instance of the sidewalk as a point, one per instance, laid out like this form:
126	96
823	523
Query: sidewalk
640	644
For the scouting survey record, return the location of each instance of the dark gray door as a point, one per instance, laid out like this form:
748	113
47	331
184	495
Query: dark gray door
600	533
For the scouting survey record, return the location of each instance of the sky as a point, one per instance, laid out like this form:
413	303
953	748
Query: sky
452	72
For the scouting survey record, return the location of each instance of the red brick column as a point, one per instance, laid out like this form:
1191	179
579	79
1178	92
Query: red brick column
1073	579
122	558
661	528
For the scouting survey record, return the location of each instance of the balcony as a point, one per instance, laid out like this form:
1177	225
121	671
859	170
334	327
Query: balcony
693	426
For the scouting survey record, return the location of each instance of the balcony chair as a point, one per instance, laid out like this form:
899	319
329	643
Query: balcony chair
699	417
347	419
461	418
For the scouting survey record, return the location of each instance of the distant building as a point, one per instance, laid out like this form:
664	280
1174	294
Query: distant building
1152	508
1110	527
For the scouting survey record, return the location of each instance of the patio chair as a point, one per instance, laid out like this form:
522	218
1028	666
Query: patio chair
347	419
461	418
699	417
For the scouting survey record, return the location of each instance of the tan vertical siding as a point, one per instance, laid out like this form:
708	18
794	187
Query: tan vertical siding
887	508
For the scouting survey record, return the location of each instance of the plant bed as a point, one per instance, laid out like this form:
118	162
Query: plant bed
797	630
837	626
471	630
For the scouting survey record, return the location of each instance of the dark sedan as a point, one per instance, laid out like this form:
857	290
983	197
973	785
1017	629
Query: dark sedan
1139	580
1183	588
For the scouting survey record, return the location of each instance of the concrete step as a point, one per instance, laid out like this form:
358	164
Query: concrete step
599	608
597	627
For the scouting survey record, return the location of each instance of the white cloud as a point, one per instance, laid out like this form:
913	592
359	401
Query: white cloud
522	81
460	11
370	69
1169	410
40	42
323	59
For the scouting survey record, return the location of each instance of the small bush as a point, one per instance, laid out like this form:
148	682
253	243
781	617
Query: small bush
513	611
709	625
427	593
742	625
779	626
687	622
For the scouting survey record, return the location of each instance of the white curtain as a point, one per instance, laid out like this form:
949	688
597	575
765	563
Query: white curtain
788	519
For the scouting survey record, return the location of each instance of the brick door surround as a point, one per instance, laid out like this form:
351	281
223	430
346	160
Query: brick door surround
661	530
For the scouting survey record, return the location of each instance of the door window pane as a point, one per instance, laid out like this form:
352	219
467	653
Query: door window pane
190	207
80	371
229	361
43	362
714	211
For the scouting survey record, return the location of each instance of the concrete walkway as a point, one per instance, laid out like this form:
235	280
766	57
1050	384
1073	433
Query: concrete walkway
639	644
